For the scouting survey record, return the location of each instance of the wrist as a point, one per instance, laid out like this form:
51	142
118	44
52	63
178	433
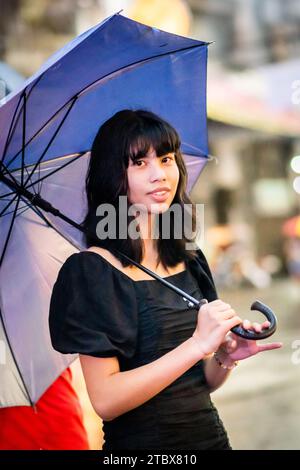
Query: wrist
224	360
197	344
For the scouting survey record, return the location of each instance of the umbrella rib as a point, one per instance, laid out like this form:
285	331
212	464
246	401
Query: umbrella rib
56	170
35	192
203	153
137	62
15	181
39	160
38	212
77	155
51	140
14	358
6	170
74	97
30	205
7	205
10	230
21	210
13	128
3	196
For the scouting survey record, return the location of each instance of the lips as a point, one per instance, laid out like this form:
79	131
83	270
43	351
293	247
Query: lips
160	196
160	191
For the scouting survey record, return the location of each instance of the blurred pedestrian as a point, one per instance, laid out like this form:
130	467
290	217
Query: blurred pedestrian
292	252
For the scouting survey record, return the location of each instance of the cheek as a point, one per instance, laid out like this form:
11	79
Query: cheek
175	176
135	184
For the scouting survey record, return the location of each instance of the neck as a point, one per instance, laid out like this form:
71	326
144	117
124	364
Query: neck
146	227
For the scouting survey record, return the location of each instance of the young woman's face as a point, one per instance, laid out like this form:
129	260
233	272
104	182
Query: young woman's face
152	173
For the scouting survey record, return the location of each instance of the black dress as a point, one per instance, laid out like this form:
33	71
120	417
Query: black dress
100	311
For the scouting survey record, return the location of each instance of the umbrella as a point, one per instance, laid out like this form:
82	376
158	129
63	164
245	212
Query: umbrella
47	128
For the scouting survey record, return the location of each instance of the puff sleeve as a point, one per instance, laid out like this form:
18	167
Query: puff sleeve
93	309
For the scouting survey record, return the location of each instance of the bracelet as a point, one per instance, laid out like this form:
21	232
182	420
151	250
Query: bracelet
221	364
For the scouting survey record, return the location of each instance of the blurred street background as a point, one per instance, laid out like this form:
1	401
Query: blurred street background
250	188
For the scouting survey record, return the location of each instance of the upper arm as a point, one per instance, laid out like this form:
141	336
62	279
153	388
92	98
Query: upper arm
96	372
93	311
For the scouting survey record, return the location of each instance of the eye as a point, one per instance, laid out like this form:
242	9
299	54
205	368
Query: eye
137	162
169	158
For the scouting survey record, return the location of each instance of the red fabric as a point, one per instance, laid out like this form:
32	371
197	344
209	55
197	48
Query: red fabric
54	424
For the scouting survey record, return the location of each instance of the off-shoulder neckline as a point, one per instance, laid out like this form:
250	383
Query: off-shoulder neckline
125	275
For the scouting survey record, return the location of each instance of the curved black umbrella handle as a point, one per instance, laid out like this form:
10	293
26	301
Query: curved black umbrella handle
250	334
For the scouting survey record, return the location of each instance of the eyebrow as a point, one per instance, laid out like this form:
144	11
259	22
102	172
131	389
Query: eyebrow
157	156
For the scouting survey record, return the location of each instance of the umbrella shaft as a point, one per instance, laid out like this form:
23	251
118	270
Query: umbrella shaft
36	199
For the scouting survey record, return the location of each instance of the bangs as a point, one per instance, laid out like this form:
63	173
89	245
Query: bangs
157	135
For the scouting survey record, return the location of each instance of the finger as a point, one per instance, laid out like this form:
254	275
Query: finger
266	324
202	303
231	346
224	307
228	339
269	346
226	315
253	326
246	324
216	302
231	322
257	327
228	344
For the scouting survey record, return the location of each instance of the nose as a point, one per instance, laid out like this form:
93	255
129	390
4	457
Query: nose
157	171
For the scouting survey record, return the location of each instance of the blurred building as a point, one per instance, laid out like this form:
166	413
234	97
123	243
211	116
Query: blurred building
248	33
254	124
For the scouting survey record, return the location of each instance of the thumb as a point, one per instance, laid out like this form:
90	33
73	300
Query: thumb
269	346
229	344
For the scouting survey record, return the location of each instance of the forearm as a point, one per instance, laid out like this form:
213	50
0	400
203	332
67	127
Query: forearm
215	374
127	390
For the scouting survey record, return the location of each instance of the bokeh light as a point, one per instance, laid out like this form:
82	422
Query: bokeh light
296	184
295	164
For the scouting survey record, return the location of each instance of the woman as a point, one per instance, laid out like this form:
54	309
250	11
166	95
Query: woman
148	360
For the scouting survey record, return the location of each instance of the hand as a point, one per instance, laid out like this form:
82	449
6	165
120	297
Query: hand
237	348
215	319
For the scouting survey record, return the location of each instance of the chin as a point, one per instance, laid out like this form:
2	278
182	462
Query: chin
159	207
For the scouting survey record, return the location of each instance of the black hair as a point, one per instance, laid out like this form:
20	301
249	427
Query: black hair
129	134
